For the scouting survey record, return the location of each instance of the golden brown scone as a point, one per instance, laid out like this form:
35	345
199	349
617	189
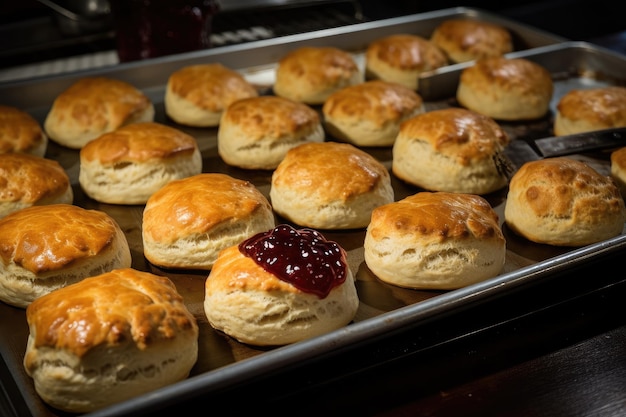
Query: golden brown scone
618	169
257	132
329	185
187	222
262	304
44	248
591	109
107	339
198	94
370	113
506	89
467	40
402	58
563	202
450	150
128	165
93	106
435	241
28	180
311	74
20	132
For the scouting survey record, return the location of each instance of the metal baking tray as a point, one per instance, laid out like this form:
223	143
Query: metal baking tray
384	310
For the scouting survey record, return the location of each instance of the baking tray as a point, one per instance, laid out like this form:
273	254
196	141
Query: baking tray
384	310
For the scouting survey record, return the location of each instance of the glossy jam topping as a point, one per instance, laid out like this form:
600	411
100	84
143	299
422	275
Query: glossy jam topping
303	257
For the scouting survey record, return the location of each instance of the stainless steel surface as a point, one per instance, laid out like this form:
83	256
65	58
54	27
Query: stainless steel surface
601	65
384	309
581	142
77	17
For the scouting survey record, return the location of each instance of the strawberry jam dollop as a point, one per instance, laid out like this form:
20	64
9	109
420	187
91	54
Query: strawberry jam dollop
303	258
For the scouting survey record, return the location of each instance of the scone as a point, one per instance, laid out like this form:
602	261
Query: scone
452	150
618	169
467	39
590	109
45	248
402	58
28	180
311	74
563	202
370	113
197	95
128	165
21	132
329	185
109	338
506	89
257	132
435	241
189	221
309	291
93	106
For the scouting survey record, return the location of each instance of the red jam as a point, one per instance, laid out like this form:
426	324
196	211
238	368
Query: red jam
303	258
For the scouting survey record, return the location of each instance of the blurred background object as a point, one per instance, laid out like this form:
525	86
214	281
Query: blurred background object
151	28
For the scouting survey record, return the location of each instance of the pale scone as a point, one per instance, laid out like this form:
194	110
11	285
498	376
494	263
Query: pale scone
128	165
370	113
506	89
402	58
307	292
329	185
21	132
92	106
45	248
107	339
257	132
563	202
453	150
310	74
197	95
435	241
189	221
466	40
585	110
27	180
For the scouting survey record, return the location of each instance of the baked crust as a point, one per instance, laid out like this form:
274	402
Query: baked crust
435	240
329	185
450	150
370	113
27	180
197	95
506	89
93	106
254	306
20	132
563	202
108	338
51	237
128	165
618	169
402	58
255	133
466	39
187	222
590	109
139	142
310	74
44	248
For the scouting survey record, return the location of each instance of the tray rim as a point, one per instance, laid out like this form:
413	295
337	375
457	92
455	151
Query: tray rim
356	333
